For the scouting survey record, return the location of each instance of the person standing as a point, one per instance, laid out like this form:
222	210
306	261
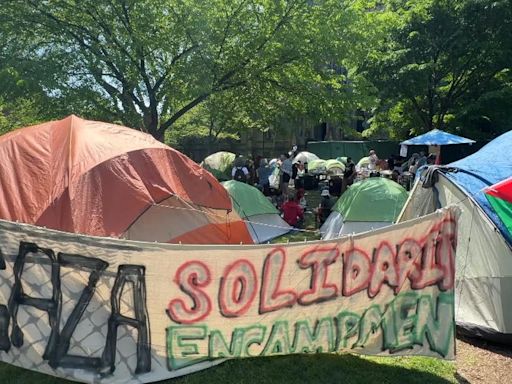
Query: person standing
350	171
391	162
294	171
263	172
348	175
286	173
422	160
240	171
373	158
299	177
293	152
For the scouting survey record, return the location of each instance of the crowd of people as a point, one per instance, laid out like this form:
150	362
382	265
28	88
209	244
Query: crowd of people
401	168
274	178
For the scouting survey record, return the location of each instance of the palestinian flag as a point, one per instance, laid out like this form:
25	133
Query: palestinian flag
500	198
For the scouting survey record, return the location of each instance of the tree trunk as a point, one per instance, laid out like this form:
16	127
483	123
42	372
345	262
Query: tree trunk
210	136
151	126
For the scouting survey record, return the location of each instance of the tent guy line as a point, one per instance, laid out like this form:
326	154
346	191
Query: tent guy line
245	221
465	265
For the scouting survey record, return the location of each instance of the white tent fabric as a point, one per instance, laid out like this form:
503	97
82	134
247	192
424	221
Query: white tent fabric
332	226
483	261
169	219
305	157
335	226
266	227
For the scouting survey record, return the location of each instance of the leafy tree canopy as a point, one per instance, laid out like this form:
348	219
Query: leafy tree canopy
443	62
148	63
171	67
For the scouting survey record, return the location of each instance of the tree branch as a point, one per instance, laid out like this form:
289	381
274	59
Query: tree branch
182	111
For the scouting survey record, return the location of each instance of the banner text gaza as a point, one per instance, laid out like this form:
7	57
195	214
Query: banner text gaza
332	272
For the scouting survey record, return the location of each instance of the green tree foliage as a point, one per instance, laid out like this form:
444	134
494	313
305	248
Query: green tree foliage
215	68
148	63
21	100
25	79
444	65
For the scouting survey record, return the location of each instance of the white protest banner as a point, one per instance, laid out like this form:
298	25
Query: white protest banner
111	311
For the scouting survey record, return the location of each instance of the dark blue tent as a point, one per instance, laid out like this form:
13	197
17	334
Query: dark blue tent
482	169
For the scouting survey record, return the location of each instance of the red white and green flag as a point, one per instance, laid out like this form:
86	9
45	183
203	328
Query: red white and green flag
500	198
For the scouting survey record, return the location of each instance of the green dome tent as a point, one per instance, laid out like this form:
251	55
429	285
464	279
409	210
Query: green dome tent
260	216
343	159
369	204
219	164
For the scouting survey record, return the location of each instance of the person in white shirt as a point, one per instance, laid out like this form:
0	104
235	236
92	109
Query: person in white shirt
373	158
286	173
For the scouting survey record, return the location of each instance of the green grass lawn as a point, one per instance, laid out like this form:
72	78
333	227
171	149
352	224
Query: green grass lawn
322	368
310	231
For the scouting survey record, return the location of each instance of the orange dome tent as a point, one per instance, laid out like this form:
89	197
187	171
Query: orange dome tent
103	179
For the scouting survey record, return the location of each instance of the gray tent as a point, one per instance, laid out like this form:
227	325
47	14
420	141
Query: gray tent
483	305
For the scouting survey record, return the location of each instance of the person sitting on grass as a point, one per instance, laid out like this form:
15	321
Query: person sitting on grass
293	213
300	197
324	208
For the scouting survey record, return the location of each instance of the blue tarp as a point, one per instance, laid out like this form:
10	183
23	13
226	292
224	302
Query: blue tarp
437	137
488	166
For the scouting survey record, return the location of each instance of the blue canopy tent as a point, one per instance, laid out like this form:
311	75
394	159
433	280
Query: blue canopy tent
436	137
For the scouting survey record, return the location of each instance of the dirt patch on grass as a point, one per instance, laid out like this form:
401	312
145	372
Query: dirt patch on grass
479	362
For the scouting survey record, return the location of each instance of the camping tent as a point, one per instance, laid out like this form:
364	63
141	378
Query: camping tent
368	204
317	167
484	253
262	218
305	157
334	167
219	164
437	138
364	162
102	179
